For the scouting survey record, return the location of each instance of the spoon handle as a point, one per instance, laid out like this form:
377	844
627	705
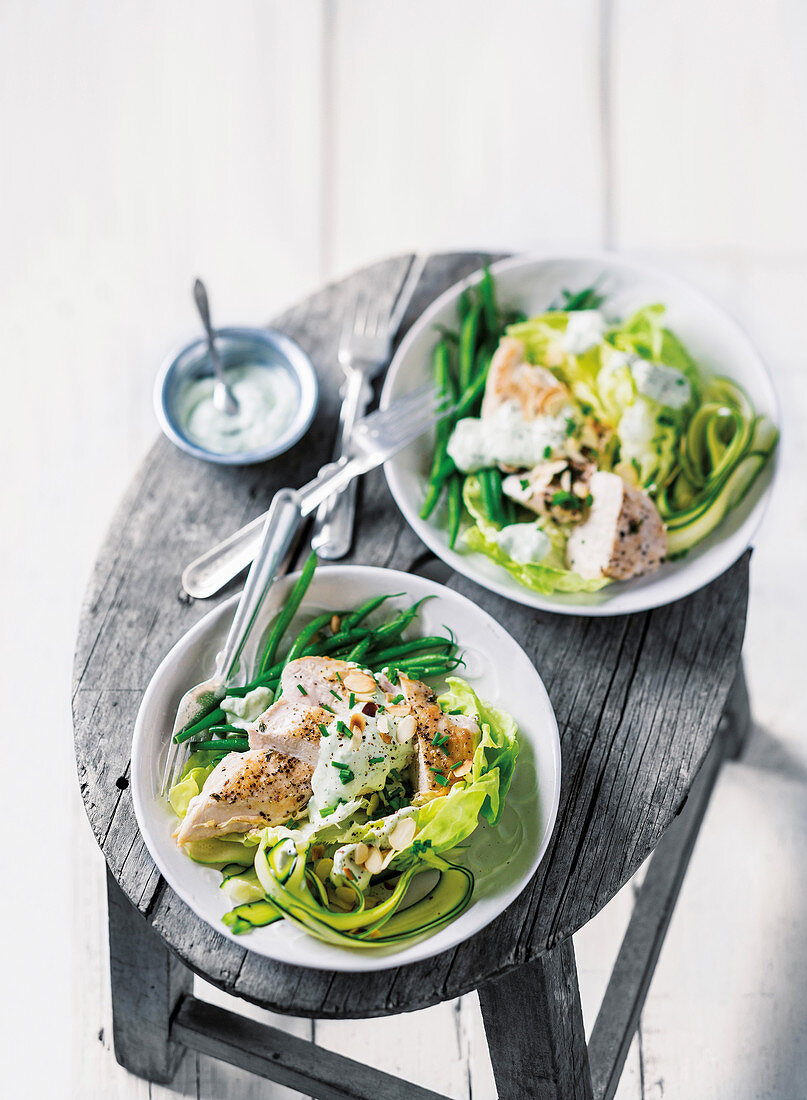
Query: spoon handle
203	305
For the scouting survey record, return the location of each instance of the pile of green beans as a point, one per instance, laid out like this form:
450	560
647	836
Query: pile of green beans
461	361
381	648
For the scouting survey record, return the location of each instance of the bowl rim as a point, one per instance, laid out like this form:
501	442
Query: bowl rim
298	362
642	600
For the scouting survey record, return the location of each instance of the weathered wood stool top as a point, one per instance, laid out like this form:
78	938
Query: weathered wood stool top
638	698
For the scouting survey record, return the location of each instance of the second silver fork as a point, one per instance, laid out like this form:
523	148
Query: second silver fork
364	348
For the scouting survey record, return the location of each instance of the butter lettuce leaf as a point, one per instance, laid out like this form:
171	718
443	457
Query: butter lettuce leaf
547	576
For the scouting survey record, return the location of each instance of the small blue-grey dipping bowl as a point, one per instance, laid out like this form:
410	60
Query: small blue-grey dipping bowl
237	347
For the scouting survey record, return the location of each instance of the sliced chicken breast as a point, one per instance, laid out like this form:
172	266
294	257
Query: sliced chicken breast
430	725
535	390
291	728
623	536
247	790
321	680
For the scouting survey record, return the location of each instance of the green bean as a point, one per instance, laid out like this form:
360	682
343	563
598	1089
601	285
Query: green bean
472	394
468	340
454	508
214	718
345	640
397	625
359	649
464	304
226	729
434	641
444	384
487	297
289	611
491	494
232	744
351	620
306	635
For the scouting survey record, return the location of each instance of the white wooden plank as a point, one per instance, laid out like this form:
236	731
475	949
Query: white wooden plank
710	142
465	124
428	1048
728	992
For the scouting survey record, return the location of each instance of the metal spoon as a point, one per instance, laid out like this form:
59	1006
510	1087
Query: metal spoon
223	397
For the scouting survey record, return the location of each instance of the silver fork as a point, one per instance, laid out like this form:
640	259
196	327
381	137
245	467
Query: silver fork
375	439
364	348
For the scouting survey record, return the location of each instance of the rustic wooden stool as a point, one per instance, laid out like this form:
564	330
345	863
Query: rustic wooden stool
639	701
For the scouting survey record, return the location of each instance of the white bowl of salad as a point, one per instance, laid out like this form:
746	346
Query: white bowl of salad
380	782
612	440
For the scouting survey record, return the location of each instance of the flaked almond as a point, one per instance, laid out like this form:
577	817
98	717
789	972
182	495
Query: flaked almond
336	623
383	723
566	481
388	858
359	682
399	710
406	729
385	737
356	740
361	853
357	722
463	769
579	489
403	834
374	861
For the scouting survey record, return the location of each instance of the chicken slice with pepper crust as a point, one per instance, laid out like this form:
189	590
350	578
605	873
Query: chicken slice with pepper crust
292	728
623	535
247	790
456	736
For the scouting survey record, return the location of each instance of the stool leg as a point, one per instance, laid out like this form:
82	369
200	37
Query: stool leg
147	982
735	723
534	1026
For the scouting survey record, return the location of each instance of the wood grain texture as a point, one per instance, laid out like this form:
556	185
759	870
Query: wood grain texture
637	698
147	983
537	1008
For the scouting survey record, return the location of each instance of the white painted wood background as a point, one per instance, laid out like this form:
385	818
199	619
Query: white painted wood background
269	146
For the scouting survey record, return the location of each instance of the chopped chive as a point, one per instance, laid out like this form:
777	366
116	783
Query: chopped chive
338	677
343	729
327	811
524	483
589	500
376	759
336	695
547	452
457	764
347	776
342	767
397	699
351	700
323	729
326	707
436	770
439	739
458	711
441	779
301	689
570	425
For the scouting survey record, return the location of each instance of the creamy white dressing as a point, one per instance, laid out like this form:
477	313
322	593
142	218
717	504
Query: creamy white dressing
666	385
506	437
525	543
637	425
243	710
377	833
584	330
267	396
344	773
